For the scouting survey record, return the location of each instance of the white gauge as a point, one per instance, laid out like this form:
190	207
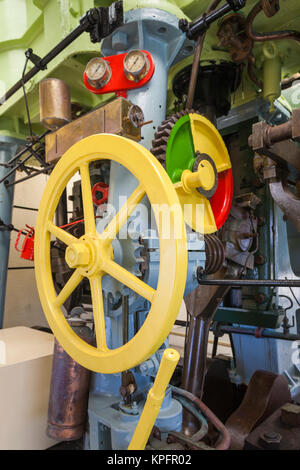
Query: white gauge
136	65
98	72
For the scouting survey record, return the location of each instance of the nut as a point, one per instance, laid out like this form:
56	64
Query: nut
270	440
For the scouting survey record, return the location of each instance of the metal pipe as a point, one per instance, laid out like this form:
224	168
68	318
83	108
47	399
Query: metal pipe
45	61
247	331
225	442
69	392
198	415
194	74
195	360
38	172
108	18
261	37
262	334
250	282
196	61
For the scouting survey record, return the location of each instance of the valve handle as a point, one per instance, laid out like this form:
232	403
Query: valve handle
92	255
154	400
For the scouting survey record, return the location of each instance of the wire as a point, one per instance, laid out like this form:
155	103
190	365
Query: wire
25	96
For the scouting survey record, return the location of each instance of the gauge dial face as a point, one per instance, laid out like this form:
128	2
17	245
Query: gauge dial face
136	65
98	72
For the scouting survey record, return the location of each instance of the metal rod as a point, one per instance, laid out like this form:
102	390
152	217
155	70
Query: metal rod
10	172
195	69
44	170
20	267
26	208
196	61
250	282
45	61
263	333
249	332
98	21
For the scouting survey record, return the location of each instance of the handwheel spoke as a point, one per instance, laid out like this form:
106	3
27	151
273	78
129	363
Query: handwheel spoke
98	312
69	287
61	234
87	200
124	213
131	281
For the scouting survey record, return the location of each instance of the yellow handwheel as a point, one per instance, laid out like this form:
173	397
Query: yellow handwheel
92	255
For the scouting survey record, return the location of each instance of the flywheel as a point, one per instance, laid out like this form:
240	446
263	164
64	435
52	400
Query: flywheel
197	161
91	256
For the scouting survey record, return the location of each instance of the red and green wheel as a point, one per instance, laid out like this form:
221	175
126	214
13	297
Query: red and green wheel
185	143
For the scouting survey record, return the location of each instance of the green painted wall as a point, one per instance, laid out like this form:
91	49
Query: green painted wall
41	24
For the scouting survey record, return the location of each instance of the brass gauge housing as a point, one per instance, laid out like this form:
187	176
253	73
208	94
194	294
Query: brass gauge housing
136	65
98	72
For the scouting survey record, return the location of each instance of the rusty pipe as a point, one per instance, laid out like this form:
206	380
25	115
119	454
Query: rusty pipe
225	440
69	393
261	37
196	62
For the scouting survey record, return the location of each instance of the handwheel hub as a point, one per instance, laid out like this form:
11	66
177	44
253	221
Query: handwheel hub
77	255
204	177
89	255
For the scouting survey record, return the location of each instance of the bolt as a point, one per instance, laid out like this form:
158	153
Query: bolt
271	440
259	259
183	25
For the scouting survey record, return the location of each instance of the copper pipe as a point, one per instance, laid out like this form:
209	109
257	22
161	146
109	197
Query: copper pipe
251	73
69	393
195	69
261	37
225	441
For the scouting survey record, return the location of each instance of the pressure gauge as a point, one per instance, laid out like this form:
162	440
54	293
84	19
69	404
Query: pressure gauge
98	72
136	65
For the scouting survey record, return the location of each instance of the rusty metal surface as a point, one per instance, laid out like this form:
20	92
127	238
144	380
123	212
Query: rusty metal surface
266	393
69	392
232	34
113	118
274	429
202	305
283	153
55	103
274	141
287	201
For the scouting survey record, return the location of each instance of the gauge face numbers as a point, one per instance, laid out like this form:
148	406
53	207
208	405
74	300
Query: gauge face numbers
98	72
136	65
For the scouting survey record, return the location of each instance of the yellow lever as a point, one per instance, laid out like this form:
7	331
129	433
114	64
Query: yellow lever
154	400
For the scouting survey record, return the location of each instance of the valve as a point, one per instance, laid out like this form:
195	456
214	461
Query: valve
103	189
92	255
154	400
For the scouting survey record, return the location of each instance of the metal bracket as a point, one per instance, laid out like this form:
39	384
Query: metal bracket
35	59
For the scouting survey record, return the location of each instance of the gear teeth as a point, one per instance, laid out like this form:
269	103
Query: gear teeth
161	141
161	137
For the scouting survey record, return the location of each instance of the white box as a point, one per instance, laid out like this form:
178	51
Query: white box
25	372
